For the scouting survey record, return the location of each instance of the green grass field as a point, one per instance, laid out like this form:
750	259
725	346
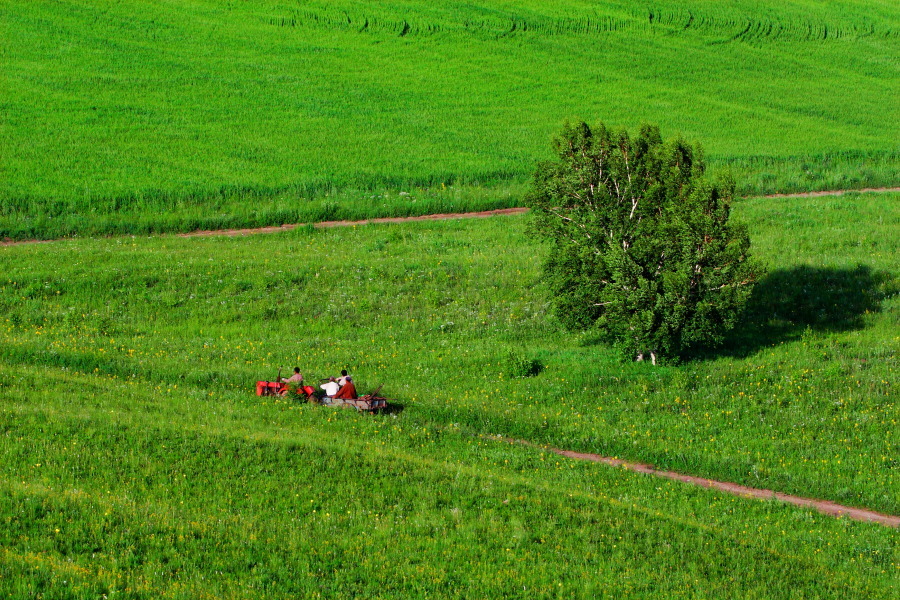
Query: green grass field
137	462
137	117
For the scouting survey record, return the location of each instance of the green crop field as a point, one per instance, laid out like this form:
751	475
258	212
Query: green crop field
136	461
135	117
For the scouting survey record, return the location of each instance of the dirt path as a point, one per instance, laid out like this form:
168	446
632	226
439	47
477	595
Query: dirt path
469	215
823	506
329	224
434	217
830	193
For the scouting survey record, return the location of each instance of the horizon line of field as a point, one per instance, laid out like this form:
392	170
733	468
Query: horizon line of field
428	217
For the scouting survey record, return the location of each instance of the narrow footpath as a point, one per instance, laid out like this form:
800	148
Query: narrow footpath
469	215
823	506
434	217
329	224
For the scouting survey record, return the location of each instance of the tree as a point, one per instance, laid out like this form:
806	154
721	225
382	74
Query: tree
641	246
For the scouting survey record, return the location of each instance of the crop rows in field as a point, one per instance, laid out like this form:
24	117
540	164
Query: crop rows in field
499	27
723	25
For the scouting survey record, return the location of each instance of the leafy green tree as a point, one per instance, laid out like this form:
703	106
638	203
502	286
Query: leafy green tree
642	249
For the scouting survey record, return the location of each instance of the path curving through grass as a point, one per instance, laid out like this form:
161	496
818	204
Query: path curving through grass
431	217
823	506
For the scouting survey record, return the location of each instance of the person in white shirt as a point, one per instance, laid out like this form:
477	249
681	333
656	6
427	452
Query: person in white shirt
331	388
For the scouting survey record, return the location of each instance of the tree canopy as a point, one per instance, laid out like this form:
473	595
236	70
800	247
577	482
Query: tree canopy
642	249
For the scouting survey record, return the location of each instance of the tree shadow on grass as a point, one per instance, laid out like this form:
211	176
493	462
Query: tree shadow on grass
787	302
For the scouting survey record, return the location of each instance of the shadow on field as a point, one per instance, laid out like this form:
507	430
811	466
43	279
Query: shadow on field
392	408
787	302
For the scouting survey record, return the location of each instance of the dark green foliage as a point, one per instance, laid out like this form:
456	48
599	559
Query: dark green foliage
295	393
642	247
519	364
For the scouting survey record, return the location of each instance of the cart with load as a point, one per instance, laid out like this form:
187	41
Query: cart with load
370	403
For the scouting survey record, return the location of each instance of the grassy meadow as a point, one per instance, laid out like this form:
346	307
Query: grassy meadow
136	461
136	117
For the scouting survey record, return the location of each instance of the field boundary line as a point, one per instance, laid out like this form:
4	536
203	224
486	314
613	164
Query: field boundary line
825	507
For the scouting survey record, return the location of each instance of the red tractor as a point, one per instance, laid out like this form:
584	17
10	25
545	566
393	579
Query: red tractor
280	388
